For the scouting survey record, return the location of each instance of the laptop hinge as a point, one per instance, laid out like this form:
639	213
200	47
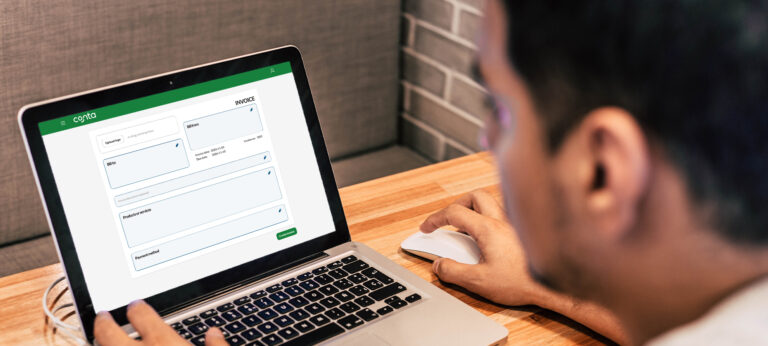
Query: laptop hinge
243	283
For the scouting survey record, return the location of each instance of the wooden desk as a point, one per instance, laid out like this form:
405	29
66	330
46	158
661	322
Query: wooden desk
381	213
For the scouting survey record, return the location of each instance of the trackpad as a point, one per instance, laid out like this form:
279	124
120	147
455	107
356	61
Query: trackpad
368	339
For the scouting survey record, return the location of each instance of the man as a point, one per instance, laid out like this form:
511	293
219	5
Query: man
631	139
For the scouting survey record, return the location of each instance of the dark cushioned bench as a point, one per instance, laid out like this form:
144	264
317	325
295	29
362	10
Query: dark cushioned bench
53	48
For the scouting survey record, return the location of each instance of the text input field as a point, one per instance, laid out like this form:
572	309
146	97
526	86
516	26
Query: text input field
221	127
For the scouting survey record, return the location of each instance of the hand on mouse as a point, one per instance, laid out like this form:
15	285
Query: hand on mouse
502	274
150	326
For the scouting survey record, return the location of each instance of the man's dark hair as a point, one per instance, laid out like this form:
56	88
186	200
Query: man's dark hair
693	73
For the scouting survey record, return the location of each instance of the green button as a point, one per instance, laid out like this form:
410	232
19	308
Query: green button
287	233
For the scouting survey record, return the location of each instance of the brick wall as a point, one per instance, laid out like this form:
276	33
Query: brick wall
442	106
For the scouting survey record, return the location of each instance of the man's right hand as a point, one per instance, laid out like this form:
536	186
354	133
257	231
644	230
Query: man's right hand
502	274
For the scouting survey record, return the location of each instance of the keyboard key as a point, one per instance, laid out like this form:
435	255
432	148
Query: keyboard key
385	310
309	285
314	296
247	309
349	307
357	278
391	299
299	301
304	277
242	300
387	291
232	315
398	304
198	328
289	282
412	298
348	259
251	334
208	314
299	315
235	327
329	302
304	326
323	279
288	333
367	314
294	291
317	335
351	321
267	327
279	297
198	341
184	334
283	321
373	273
343	284
225	307
270	340
251	320
319	320
328	290
320	270
373	284
263	303
283	308
335	265
344	296
355	266
177	326
337	273
258	294
274	288
314	308
334	313
267	314
364	301
359	290
235	340
215	321
190	320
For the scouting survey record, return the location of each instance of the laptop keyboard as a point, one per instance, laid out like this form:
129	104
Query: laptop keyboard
307	309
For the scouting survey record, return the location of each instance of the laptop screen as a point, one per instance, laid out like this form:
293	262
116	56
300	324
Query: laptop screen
164	190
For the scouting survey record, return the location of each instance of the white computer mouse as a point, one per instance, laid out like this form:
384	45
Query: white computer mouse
442	243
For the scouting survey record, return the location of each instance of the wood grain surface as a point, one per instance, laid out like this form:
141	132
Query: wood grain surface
381	213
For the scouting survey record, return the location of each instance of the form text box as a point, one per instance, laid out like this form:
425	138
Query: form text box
221	127
146	163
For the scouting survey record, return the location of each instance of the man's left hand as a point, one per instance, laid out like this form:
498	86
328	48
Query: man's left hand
150	326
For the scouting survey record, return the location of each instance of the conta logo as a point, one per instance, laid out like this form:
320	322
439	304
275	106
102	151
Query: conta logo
83	117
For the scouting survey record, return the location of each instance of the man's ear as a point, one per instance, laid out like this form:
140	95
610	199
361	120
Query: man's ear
620	173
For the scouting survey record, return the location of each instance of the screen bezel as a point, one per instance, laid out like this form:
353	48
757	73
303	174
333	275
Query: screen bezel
168	301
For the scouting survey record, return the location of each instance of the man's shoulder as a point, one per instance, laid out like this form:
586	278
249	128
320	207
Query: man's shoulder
739	319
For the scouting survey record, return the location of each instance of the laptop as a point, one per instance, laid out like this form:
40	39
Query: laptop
208	192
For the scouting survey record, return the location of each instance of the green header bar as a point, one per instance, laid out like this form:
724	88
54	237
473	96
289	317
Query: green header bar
163	98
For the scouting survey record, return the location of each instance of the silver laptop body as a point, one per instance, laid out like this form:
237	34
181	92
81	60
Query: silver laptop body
344	294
